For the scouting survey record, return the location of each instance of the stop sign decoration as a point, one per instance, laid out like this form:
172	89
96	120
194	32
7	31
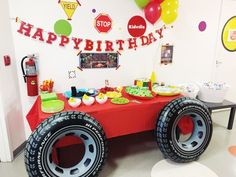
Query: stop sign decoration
103	23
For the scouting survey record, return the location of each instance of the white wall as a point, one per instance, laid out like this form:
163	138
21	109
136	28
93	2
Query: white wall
5	151
11	120
225	72
193	49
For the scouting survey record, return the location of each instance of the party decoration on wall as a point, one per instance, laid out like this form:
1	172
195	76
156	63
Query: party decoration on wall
202	26
154	9
142	3
137	26
232	150
79	52
169	11
118	67
229	35
118	52
170	5
152	12
72	74
94	10
103	23
79	44
167	54
69	7
98	60
62	27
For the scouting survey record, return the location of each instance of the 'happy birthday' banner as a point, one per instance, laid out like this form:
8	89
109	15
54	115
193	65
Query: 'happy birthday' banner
77	43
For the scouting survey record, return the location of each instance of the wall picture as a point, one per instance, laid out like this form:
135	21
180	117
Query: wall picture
167	54
232	35
98	60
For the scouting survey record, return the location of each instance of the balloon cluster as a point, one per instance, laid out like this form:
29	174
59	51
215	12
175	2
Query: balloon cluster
167	10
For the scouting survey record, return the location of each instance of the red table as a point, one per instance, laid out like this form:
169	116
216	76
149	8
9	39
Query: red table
116	120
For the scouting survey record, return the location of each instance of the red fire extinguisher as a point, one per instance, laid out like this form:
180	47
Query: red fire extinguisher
30	74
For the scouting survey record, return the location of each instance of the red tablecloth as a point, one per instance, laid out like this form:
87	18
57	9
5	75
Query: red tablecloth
117	120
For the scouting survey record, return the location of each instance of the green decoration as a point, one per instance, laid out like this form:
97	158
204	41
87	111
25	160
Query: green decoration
63	27
142	3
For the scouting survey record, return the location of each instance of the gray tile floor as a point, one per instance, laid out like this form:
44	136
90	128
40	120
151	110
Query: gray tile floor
134	156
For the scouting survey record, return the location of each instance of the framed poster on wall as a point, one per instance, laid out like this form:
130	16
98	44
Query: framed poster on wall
167	54
98	60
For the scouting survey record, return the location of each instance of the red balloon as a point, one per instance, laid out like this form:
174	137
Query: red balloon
152	12
158	1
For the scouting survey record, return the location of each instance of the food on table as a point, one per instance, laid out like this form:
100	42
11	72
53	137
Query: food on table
85	97
119	89
88	100
213	92
101	98
189	89
113	94
139	91
120	100
107	89
47	86
74	102
215	85
167	90
143	82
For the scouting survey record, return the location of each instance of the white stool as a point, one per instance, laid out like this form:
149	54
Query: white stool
166	168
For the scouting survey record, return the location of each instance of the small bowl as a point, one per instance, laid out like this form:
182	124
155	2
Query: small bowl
89	101
75	103
101	101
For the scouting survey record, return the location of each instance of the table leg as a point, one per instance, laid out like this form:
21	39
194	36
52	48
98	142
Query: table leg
210	111
231	118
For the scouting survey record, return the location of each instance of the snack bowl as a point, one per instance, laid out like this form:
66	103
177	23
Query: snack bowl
189	89
101	100
213	92
89	101
74	102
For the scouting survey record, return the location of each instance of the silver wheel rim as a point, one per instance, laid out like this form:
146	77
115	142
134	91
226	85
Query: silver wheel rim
84	165
198	134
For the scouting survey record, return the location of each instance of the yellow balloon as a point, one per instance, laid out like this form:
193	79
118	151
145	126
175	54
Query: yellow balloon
170	4
169	16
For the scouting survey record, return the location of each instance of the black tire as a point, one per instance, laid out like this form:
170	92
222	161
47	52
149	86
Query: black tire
167	131
38	159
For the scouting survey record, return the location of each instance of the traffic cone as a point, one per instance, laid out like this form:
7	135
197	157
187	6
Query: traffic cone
153	78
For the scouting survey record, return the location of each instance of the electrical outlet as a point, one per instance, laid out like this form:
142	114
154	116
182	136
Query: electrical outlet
72	74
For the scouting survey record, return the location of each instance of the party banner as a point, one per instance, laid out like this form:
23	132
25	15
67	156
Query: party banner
69	7
77	43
